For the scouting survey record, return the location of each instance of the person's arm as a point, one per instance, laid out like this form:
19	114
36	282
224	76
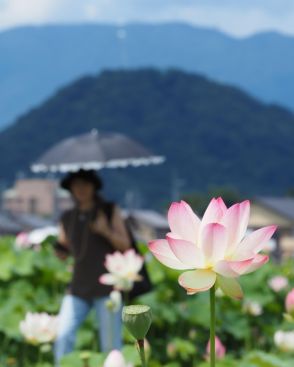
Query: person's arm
61	246
116	233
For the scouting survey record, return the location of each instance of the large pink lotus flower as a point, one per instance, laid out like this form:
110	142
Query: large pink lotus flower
220	349
123	270
214	249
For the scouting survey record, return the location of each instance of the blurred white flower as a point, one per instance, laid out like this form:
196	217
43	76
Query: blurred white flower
39	328
27	239
278	283
219	293
37	236
252	308
116	359
114	302
123	270
284	340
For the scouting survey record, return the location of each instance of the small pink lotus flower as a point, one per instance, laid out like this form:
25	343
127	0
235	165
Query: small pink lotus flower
123	270
289	303
220	349
213	250
116	359
278	283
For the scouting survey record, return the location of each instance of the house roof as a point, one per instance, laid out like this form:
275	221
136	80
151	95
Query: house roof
281	205
12	223
30	221
8	225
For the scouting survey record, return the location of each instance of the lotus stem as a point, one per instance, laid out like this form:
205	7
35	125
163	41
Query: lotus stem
142	352
212	326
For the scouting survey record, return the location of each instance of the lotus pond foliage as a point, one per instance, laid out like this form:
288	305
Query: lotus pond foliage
34	280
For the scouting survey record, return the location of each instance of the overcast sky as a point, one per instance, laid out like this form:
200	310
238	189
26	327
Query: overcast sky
237	17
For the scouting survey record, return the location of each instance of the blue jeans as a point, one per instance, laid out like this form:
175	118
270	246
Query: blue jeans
73	312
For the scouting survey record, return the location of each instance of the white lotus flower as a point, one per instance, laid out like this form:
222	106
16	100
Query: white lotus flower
116	359
123	270
35	237
284	340
39	328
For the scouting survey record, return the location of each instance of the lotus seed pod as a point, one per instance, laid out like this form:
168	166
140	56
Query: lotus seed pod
137	319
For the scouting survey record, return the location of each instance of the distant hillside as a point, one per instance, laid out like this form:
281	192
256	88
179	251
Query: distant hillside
35	61
210	133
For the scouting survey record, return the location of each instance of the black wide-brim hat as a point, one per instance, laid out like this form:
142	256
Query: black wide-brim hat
82	174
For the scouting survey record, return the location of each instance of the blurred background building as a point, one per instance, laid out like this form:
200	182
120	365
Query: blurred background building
41	197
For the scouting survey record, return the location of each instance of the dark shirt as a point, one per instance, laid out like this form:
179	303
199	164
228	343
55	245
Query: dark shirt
89	250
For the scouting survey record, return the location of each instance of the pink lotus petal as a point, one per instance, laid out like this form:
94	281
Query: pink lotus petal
256	263
163	253
221	205
232	269
254	242
230	287
214	212
213	242
183	221
188	253
224	268
197	280
107	279
133	261
114	261
236	221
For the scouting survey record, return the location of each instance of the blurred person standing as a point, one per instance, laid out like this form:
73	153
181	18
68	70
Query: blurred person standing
89	231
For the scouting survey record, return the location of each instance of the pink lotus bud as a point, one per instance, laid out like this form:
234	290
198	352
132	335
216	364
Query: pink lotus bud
290	302
220	349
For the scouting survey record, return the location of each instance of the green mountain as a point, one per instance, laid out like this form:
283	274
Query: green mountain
211	134
35	61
